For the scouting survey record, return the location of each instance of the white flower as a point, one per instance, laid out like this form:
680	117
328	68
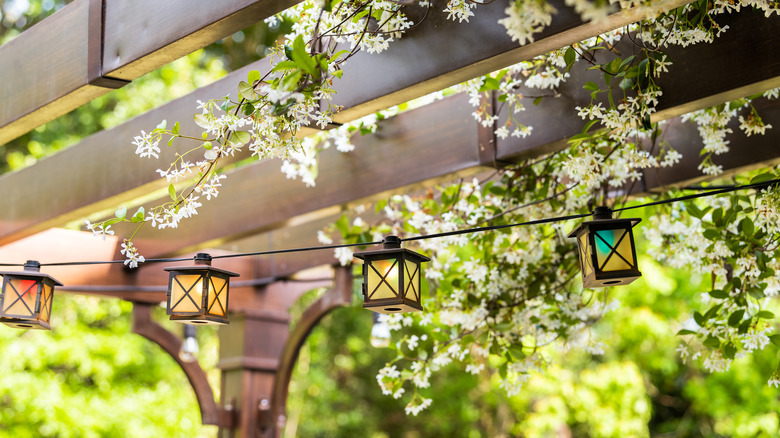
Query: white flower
147	145
131	253
323	238
344	255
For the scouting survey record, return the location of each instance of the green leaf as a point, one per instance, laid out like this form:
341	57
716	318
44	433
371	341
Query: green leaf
162	124
729	350
343	225
175	129
569	56
538	99
736	317
717	293
203	120
765	314
684	332
138	216
711	342
626	84
121	213
240	137
253	76
699	318
757	293
246	90
302	58
490	84
775	339
764	177
591	86
744	327
746	227
172	191
694	210
285	65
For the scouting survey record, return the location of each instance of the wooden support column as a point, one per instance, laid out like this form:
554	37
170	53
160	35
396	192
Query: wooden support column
250	348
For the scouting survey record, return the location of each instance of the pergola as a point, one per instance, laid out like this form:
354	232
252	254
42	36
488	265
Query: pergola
93	46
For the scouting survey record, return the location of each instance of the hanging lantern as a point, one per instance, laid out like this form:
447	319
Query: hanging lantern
392	278
26	298
606	249
199	294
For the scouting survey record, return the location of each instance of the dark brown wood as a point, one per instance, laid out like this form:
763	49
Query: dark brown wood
111	178
407	150
144	325
84	50
142	35
746	62
340	295
447	52
249	352
45	70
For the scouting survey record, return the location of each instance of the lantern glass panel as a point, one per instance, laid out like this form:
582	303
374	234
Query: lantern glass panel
46	298
613	249
20	296
217	296
382	277
585	259
186	293
412	280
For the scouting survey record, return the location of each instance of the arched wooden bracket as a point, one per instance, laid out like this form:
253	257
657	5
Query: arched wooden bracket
144	325
272	417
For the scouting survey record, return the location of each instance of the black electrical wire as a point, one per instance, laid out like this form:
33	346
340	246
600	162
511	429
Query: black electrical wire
716	191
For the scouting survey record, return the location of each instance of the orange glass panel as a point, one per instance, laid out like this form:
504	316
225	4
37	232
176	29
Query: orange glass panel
585	260
19	298
217	298
382	279
46	299
186	293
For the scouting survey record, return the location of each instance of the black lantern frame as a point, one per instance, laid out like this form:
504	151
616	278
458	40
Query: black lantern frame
199	294
392	278
26	297
606	250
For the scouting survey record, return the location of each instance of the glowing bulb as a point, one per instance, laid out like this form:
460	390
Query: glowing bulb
380	335
189	348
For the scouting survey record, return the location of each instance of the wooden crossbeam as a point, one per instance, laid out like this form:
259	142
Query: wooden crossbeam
38	202
92	46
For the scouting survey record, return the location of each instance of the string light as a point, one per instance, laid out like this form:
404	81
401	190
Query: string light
760	185
205	317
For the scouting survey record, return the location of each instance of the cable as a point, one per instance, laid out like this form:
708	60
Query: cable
716	191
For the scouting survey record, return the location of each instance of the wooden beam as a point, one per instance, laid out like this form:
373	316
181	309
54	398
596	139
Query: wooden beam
143	35
408	150
92	46
38	202
446	53
51	69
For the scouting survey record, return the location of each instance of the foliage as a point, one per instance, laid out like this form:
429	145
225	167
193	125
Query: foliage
90	376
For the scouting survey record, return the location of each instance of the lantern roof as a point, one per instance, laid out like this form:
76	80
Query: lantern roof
602	216
392	245
32	269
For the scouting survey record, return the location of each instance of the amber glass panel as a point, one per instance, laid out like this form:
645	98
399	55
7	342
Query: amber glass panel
606	242
585	260
412	280
46	298
19	298
382	279
186	293
217	296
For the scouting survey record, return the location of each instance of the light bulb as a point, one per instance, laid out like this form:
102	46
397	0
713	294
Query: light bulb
380	335
189	348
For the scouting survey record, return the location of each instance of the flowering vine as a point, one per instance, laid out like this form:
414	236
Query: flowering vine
504	299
